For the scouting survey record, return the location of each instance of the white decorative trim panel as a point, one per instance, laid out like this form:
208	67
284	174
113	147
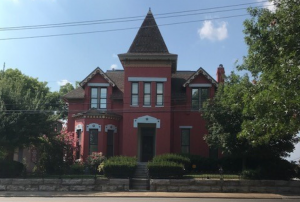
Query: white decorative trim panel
156	79
110	127
146	119
93	126
200	85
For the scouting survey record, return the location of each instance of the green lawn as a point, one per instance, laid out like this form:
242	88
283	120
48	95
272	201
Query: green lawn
213	176
65	176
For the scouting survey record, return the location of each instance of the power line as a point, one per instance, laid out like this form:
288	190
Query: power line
79	23
121	21
120	29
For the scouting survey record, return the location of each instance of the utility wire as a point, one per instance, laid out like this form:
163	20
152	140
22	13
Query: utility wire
132	17
120	29
120	21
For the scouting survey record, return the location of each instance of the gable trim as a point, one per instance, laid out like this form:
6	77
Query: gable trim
93	73
204	73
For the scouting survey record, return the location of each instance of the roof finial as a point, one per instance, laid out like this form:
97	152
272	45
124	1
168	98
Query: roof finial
149	12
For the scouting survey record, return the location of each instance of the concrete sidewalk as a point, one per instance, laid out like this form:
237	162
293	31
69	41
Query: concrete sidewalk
148	195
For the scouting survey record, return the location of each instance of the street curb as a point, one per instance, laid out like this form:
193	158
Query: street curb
150	195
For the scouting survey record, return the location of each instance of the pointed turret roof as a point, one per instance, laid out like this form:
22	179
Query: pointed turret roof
148	38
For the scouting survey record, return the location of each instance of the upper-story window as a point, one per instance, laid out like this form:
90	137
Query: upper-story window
134	94
159	94
147	94
99	98
199	96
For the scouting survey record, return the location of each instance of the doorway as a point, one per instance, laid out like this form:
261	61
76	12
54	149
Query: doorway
147	143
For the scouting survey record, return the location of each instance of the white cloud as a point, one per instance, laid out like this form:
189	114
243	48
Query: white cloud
269	5
114	55
114	66
213	32
62	82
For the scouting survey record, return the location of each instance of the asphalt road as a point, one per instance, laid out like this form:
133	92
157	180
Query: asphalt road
135	199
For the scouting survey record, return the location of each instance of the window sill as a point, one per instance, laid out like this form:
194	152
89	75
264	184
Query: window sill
159	106
134	105
146	105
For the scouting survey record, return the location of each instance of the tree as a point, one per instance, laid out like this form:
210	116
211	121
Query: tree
25	112
225	116
273	60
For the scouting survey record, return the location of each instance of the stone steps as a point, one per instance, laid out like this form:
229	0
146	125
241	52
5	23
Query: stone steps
140	180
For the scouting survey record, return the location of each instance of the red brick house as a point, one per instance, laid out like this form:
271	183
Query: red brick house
147	109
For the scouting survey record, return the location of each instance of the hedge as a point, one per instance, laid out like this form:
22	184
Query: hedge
11	169
165	169
176	158
120	167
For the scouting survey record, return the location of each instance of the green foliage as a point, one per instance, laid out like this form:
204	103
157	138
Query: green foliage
50	156
24	110
224	116
10	169
120	166
76	169
274	61
165	169
179	159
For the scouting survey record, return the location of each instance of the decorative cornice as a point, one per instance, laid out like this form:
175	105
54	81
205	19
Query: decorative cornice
204	73
102	116
93	73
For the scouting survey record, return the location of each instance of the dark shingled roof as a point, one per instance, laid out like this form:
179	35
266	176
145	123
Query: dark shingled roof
148	38
117	76
77	93
177	81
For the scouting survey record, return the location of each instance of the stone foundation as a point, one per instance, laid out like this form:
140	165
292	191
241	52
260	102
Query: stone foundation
230	186
104	185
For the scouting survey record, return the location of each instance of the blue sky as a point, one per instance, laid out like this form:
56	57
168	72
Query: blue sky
57	60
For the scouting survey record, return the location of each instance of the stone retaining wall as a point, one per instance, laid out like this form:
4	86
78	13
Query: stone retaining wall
64	185
236	186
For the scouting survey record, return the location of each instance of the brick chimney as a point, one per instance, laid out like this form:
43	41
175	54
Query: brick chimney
220	74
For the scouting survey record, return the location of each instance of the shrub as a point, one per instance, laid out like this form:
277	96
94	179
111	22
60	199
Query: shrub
94	160
77	169
120	166
165	169
11	169
176	158
251	174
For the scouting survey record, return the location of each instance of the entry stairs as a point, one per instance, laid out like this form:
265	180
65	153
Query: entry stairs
140	180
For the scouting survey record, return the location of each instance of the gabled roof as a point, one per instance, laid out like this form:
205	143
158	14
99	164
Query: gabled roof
93	73
148	38
204	73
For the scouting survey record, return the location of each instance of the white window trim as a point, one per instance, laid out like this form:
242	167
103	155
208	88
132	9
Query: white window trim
98	84
149	79
200	85
110	127
93	126
146	119
79	127
185	127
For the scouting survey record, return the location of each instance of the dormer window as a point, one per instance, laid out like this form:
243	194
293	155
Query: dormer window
199	96
98	98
